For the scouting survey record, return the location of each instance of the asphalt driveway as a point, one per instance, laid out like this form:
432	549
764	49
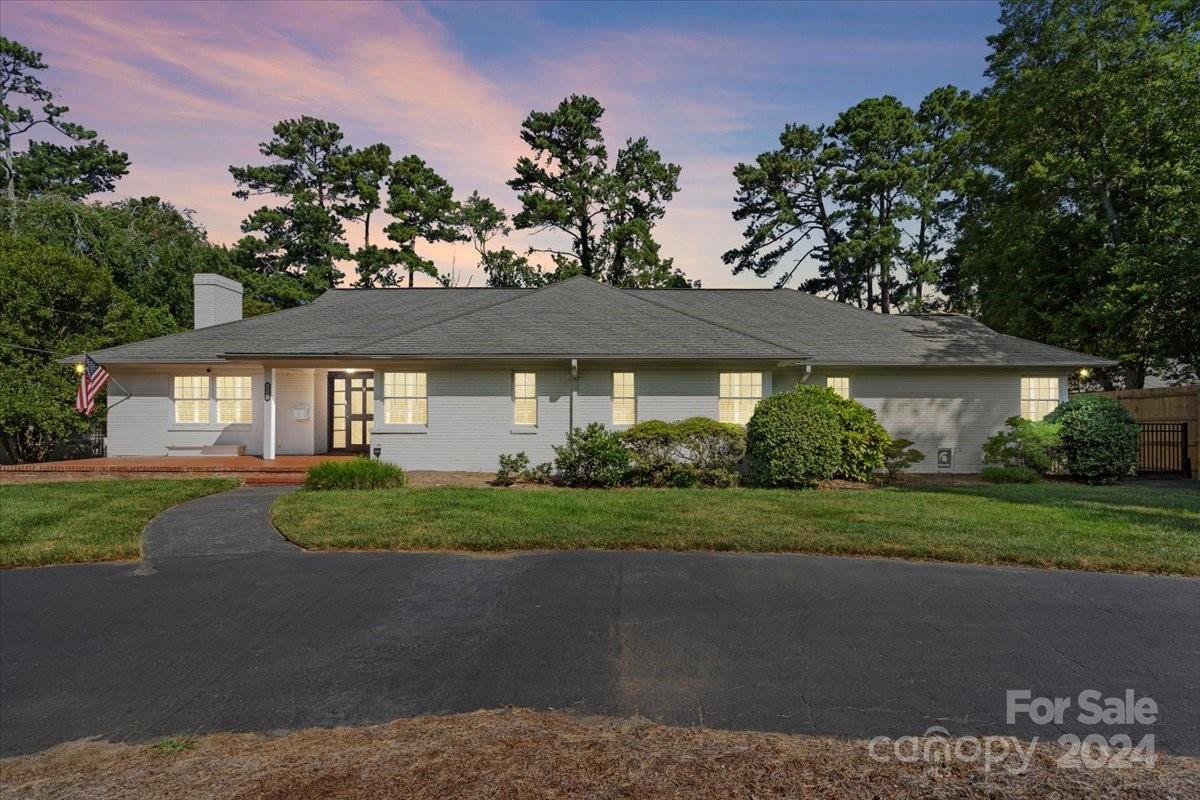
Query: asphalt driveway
272	638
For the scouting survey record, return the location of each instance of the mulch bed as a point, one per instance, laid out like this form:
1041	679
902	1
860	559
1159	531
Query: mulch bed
518	753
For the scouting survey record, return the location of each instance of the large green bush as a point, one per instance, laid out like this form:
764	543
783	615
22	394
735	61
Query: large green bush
1027	444
1099	438
354	473
864	440
690	452
794	439
592	456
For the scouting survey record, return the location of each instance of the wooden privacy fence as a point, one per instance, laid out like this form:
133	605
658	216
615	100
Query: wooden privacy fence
1170	419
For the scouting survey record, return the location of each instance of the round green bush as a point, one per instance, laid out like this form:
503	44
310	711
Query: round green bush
864	440
1099	438
794	439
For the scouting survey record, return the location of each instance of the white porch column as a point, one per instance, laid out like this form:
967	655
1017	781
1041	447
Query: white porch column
269	390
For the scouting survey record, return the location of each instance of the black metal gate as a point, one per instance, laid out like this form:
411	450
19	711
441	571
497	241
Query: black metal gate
1164	448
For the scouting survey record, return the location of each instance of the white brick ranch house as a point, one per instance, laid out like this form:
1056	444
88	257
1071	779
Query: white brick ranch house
449	379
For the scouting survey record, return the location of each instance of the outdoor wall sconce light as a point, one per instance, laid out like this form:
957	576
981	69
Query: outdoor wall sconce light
267	390
376	450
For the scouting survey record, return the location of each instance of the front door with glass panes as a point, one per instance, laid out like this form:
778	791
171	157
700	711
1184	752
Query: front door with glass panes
351	411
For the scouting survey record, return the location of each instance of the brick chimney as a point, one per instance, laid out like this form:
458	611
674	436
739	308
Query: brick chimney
216	299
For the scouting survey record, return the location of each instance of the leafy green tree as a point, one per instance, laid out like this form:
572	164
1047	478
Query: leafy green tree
1086	232
422	205
77	170
484	221
151	250
607	214
304	236
56	303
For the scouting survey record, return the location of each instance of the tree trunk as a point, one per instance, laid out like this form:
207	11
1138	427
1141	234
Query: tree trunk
12	182
410	277
1135	375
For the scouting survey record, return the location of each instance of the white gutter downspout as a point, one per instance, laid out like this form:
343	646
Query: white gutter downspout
807	373
574	394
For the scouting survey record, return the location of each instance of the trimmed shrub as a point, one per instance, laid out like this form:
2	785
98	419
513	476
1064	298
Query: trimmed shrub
355	473
898	456
512	468
592	456
515	468
994	473
1099	438
794	439
864	440
1032	445
693	452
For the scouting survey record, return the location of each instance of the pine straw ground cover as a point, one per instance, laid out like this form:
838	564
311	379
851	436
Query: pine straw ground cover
518	753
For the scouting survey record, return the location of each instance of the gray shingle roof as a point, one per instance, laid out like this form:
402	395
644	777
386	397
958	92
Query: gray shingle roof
582	318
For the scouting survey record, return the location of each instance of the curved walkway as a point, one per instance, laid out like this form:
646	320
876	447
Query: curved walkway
237	522
235	629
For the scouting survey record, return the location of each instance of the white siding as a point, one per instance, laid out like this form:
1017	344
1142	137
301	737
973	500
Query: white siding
471	408
294	390
144	423
934	407
471	416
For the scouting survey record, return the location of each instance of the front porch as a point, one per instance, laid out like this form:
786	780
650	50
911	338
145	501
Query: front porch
282	469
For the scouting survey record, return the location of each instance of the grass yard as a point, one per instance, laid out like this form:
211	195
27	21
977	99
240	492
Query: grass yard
1046	525
72	521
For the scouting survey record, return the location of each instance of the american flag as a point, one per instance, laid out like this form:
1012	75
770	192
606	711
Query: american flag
91	380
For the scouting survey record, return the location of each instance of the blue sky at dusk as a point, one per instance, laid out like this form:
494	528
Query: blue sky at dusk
189	88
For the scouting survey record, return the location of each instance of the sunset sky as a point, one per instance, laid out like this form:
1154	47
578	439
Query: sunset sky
190	88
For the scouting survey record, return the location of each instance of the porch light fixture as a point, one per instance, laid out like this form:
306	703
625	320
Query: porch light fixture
350	371
376	450
1084	373
79	369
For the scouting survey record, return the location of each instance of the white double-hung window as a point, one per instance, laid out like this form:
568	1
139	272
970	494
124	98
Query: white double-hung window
525	398
740	393
190	394
405	401
233	399
1039	396
624	399
840	384
204	399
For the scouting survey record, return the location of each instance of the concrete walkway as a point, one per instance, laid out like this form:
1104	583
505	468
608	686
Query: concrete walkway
262	636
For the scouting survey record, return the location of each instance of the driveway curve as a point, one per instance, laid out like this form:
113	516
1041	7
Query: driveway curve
226	626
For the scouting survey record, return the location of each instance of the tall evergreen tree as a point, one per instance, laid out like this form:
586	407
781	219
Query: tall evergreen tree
786	200
364	172
422	205
76	170
607	214
303	236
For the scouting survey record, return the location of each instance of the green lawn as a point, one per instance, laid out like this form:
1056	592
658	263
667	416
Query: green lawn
1046	525
60	523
